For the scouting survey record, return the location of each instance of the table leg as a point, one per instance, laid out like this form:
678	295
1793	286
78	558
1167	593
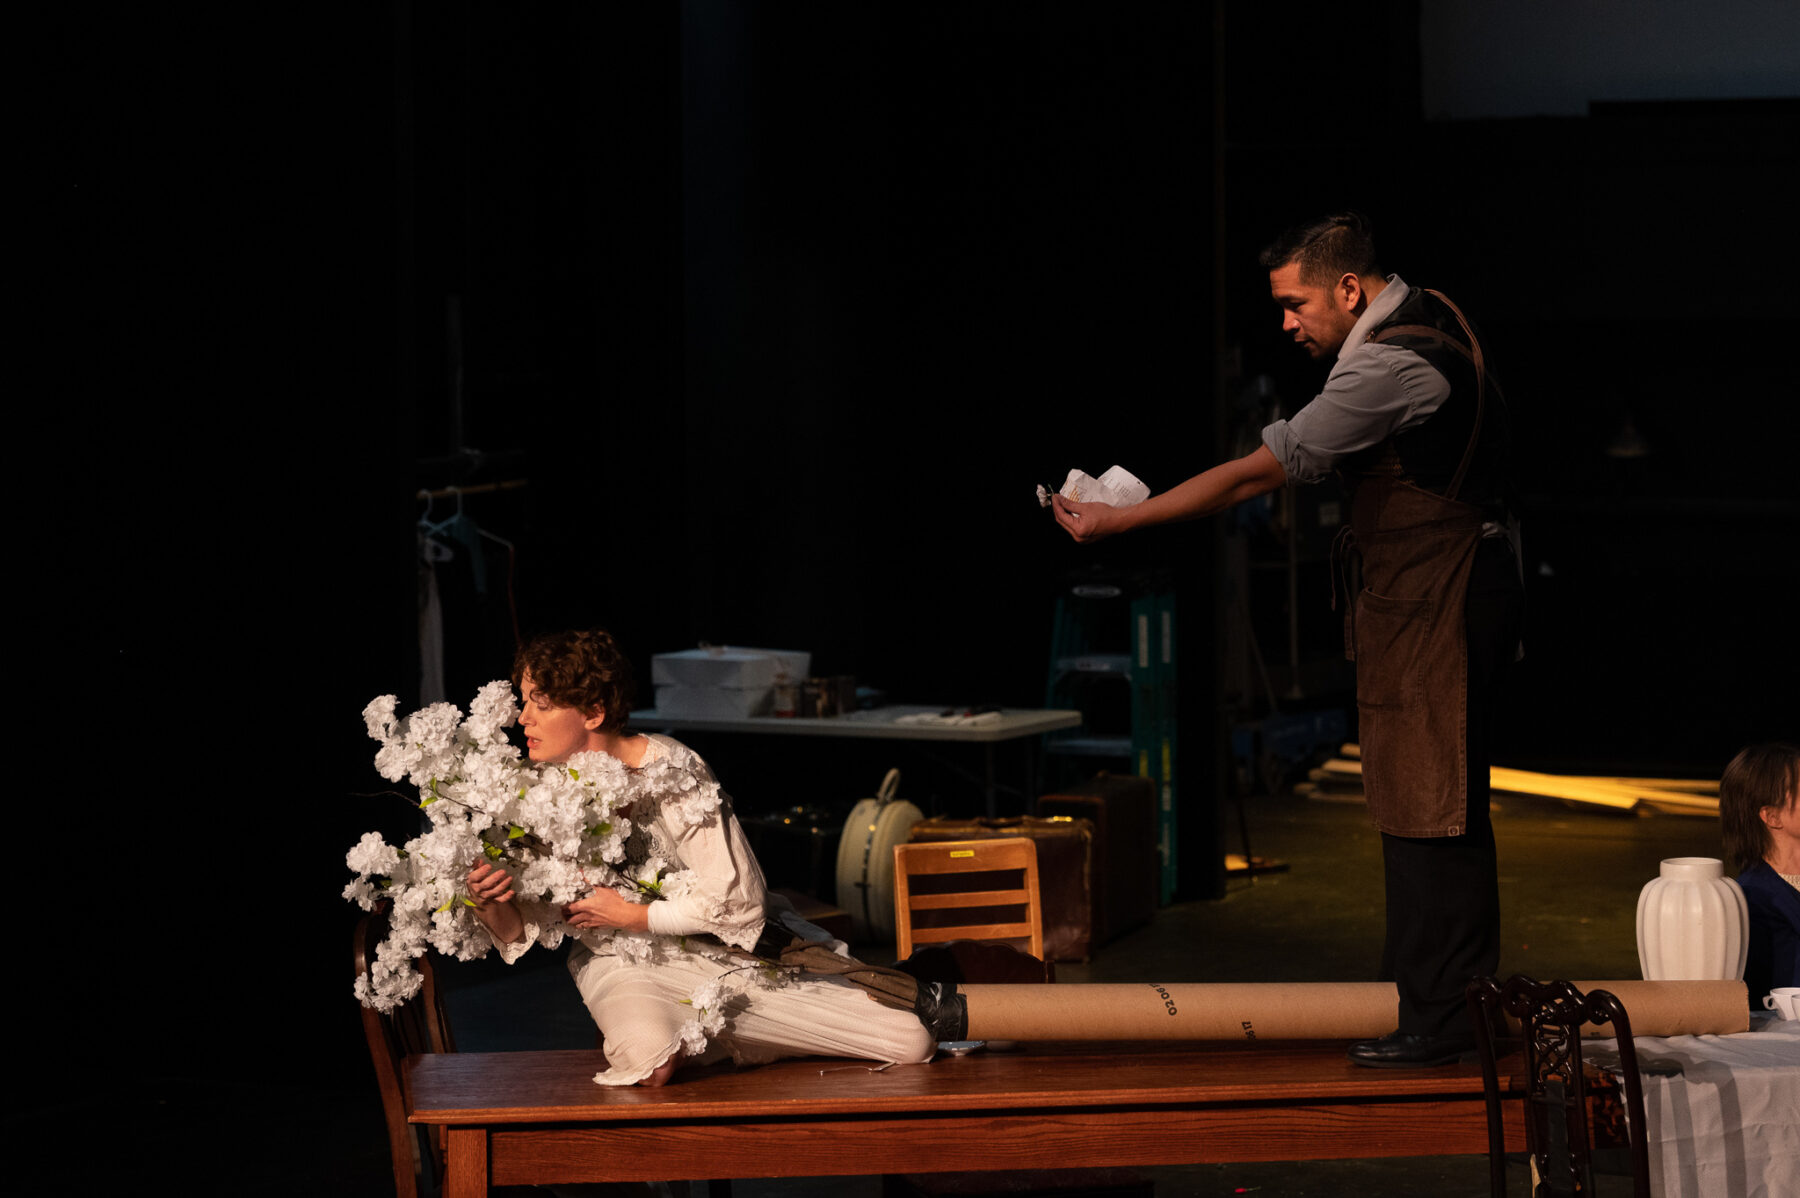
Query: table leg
466	1171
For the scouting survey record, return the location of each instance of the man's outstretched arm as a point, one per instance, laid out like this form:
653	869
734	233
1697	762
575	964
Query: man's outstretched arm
1223	486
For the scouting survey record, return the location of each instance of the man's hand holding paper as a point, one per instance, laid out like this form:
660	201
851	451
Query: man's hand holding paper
1092	508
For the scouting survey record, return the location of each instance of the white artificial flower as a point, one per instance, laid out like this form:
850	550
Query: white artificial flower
605	841
396	760
638	948
690	1039
362	894
493	711
372	855
378	717
687	799
648	876
554	880
709	1006
434	727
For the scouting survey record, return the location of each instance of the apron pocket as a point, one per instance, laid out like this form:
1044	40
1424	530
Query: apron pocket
1390	642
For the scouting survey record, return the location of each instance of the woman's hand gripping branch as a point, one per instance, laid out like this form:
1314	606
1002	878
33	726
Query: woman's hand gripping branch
492	890
605	908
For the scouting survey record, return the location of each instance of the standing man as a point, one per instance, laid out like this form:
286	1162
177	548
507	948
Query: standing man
1415	425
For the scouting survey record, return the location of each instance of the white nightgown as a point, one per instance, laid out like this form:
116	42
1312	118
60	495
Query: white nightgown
641	990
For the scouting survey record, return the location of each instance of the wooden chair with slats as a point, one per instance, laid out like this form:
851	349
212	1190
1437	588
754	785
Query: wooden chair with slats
420	1026
930	877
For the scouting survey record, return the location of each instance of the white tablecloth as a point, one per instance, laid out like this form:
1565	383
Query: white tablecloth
1726	1124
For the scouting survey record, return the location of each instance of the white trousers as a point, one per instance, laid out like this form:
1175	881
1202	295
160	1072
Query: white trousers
643	1009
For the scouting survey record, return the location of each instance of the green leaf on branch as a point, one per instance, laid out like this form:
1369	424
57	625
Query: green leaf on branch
513	831
493	851
445	907
575	774
468	902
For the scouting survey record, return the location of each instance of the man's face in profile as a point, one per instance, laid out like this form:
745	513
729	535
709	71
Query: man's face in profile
1318	317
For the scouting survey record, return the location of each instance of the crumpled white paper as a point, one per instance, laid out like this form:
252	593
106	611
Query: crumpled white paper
1118	486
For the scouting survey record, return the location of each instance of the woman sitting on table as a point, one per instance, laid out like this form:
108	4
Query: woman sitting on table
1759	809
642	993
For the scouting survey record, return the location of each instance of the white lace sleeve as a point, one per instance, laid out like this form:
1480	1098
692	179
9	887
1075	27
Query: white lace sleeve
537	918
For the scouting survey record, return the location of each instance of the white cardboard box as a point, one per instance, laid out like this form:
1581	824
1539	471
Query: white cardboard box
728	666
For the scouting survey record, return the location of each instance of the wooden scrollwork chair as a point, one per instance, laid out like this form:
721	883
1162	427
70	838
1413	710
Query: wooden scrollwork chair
1557	1136
417	1027
937	876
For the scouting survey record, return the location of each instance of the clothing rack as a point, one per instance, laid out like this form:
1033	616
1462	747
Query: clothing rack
510	484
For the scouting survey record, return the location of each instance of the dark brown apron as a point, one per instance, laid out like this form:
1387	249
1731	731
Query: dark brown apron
1405	632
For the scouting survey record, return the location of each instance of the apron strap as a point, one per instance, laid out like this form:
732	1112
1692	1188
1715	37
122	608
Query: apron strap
1471	351
1424	332
1480	392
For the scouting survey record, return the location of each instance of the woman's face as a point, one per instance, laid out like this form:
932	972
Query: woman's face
554	733
1783	822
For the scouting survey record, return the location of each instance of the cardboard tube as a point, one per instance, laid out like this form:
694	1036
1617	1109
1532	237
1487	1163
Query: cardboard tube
1675	1008
1295	1010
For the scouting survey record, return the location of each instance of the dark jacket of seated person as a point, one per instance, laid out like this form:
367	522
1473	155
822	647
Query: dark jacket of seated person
1774	957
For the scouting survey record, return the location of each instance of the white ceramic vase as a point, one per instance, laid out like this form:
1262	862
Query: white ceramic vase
1692	923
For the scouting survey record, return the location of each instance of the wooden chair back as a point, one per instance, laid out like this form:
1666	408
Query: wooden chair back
999	903
419	1026
1557	1135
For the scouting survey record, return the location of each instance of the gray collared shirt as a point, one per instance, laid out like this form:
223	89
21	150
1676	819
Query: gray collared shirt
1373	392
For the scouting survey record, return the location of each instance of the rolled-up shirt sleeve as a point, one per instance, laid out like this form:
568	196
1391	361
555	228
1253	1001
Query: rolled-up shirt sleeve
1373	392
727	895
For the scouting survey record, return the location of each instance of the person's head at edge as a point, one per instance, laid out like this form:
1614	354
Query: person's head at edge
1323	275
1759	800
576	690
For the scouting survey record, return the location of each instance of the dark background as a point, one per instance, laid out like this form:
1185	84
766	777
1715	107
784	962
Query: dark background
782	309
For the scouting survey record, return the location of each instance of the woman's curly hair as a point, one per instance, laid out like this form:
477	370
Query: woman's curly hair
1760	776
584	670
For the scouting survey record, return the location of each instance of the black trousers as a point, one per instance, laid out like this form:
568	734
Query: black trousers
1443	892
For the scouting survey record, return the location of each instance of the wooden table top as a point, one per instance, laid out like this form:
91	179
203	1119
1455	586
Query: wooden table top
535	1087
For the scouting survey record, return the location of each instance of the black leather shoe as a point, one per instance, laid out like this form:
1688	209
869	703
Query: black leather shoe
943	1011
1401	1050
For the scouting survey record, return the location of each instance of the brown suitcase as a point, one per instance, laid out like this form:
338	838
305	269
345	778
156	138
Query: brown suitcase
1065	855
1122	808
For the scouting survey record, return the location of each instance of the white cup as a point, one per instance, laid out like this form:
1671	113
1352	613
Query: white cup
1785	999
